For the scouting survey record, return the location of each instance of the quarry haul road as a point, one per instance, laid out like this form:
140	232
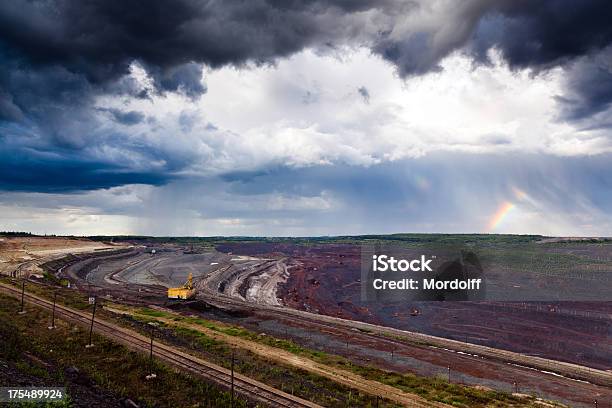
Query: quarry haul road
252	389
569	370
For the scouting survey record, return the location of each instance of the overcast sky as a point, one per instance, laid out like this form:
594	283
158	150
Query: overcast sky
311	117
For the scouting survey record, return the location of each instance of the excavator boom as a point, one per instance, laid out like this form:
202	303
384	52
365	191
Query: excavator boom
184	292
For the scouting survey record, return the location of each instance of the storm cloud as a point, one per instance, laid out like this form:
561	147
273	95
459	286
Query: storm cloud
98	95
100	39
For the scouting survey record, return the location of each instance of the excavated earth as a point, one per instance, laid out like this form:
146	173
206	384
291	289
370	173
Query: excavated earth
325	279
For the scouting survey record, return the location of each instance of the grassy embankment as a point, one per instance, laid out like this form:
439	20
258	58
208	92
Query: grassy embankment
34	351
433	389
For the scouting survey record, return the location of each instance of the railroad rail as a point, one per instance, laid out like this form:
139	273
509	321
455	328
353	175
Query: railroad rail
246	386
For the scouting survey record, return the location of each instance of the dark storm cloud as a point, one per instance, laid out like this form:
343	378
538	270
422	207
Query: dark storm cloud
8	110
56	57
539	35
186	79
101	38
23	172
124	117
589	84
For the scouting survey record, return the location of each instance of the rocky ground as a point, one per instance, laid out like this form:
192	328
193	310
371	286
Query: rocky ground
326	279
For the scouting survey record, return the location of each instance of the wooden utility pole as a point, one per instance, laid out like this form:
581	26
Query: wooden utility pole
232	370
22	311
53	312
151	374
93	316
151	350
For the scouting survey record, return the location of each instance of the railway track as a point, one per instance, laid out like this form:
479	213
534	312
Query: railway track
246	386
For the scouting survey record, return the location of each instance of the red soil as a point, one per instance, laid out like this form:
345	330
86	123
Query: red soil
325	279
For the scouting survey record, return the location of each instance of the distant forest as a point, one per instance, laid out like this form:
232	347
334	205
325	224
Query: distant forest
16	234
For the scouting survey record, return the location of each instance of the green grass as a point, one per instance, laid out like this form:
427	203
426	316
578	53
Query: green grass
431	388
292	380
32	369
312	387
153	313
109	365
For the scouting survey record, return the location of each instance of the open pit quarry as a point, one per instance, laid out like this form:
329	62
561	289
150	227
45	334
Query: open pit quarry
309	294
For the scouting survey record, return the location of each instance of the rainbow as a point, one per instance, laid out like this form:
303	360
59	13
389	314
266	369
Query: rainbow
500	214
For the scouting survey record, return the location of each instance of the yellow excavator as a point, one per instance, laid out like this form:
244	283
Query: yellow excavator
184	292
